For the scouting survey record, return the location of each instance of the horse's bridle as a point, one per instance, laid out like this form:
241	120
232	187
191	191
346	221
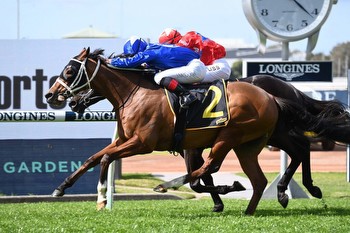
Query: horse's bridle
74	87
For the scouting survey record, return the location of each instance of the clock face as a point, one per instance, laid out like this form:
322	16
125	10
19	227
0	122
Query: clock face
288	19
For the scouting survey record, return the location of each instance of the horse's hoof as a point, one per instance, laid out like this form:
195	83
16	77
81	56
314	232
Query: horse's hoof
249	212
316	192
237	186
57	193
160	189
218	208
283	200
101	206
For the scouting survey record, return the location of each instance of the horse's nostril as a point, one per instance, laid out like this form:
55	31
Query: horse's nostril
48	95
72	103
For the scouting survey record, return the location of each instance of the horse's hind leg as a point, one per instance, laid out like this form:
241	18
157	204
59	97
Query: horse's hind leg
257	178
284	181
307	179
298	148
248	157
194	160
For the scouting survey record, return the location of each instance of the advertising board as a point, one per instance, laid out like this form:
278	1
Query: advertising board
320	71
28	68
37	152
38	166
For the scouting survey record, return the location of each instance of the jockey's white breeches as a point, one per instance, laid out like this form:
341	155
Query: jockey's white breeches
220	69
193	72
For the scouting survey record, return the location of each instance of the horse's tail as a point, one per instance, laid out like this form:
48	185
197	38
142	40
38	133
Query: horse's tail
332	126
320	108
279	88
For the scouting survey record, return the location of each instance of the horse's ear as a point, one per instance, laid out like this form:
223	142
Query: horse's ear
88	50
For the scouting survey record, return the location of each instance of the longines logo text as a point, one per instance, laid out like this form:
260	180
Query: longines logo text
289	71
90	116
293	71
27	116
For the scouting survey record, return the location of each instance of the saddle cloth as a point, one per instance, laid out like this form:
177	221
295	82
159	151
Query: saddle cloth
209	111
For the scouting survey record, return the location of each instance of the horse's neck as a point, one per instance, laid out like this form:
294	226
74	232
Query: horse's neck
120	87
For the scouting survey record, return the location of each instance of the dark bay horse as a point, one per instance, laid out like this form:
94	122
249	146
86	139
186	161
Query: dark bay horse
144	126
291	140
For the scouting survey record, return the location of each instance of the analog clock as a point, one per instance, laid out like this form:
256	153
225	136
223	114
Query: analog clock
287	20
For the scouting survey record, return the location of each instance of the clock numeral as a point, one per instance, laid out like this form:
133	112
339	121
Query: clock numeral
264	12
275	22
315	12
289	27
304	23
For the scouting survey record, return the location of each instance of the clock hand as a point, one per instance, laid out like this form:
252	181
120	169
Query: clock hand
303	8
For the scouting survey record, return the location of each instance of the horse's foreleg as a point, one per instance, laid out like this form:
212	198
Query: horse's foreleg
89	163
212	163
131	147
102	183
70	180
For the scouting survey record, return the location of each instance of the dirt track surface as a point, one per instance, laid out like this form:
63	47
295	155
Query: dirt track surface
321	161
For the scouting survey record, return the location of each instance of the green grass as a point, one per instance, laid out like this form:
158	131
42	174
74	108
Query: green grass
177	216
332	214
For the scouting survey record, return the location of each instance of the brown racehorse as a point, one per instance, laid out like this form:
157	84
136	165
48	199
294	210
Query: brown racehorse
144	126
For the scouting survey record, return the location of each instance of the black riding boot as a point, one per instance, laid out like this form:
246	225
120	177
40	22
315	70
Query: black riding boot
186	97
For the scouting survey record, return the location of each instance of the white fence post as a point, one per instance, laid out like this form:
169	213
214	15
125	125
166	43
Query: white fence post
111	175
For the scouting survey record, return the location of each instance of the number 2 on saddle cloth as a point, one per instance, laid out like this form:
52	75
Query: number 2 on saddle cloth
210	111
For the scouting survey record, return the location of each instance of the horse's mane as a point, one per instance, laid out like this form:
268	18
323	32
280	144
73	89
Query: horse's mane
96	54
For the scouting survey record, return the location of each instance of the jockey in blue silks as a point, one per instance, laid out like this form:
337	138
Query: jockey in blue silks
177	65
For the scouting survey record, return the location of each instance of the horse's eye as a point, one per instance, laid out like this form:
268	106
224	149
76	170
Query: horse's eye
68	72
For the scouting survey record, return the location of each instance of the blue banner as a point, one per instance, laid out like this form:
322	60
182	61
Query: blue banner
39	166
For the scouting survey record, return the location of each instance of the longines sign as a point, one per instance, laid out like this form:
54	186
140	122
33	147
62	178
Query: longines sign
320	71
50	116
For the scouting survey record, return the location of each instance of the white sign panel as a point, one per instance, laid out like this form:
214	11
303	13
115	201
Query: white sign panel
28	68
